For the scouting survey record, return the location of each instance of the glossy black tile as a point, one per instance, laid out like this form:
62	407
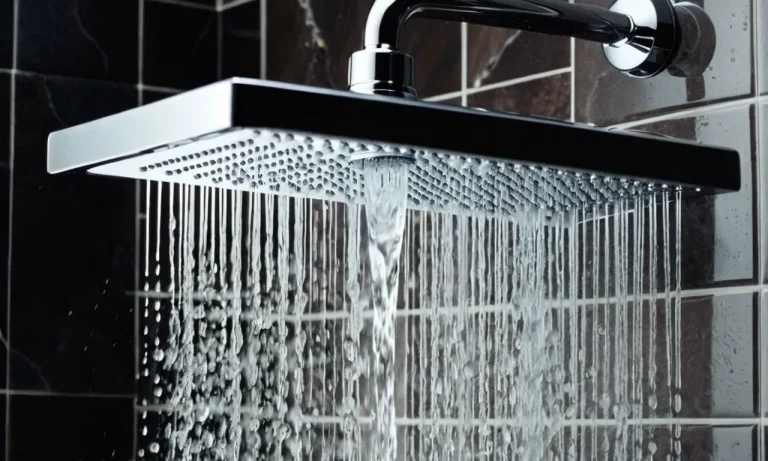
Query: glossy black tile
761	50
719	243
496	55
241	41
436	50
180	46
605	96
310	42
762	132
6	33
5	118
5	244
80	38
203	3
70	428
546	97
73	258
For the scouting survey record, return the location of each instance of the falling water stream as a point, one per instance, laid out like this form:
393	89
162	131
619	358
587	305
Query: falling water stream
286	328
386	188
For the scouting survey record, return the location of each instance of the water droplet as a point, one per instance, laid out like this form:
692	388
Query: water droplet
349	424
208	439
158	355
470	369
154	447
652	402
350	350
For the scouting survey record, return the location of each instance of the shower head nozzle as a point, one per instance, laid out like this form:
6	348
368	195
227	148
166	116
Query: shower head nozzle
288	139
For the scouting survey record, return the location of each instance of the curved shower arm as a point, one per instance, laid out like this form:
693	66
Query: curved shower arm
641	38
556	17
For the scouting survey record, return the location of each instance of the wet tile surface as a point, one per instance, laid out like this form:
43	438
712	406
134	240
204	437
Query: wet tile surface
72	323
5	118
719	244
306	45
762	46
436	50
496	55
241	41
719	344
80	38
546	97
70	429
762	129
604	96
180	46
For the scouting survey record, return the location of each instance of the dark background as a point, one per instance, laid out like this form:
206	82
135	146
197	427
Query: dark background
67	294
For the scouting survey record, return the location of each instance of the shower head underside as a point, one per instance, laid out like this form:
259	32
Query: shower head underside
287	139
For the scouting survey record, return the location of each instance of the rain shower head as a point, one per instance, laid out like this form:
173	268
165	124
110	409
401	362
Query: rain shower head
290	139
279	138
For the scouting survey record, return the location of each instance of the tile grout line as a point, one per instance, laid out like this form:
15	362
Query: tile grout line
226	6
572	50
498	85
760	233
185	4
158	89
77	395
519	80
454	310
464	45
692	112
263	45
11	168
576	422
137	198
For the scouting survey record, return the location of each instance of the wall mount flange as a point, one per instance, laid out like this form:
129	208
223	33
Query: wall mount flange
651	45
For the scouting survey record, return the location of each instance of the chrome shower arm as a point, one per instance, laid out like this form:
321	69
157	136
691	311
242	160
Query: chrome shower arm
641	38
556	17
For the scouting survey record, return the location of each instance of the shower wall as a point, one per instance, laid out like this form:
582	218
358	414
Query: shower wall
67	285
723	255
70	285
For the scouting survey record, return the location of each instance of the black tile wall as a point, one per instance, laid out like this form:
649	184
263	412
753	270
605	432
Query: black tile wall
307	45
720	244
6	34
179	46
211	4
79	38
5	117
69	428
73	323
604	96
241	41
761	50
546	97
496	55
73	252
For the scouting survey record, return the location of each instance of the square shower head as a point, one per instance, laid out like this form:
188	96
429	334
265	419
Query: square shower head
307	142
